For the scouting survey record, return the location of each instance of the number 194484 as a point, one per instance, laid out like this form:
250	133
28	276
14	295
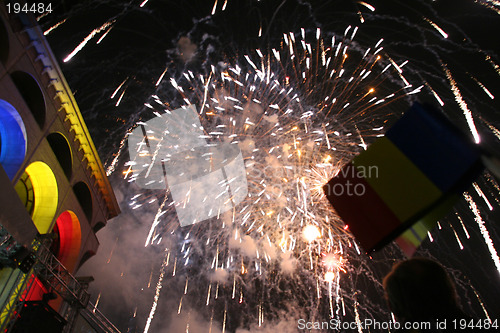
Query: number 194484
35	8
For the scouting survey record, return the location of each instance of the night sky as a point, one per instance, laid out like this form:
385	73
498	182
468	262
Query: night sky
178	36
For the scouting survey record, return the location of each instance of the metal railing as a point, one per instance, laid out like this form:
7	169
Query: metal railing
55	276
52	273
97	320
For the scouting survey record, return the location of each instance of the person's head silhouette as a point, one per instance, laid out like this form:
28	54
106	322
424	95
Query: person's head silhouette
420	289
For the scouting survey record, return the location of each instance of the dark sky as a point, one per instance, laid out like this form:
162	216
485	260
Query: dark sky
145	41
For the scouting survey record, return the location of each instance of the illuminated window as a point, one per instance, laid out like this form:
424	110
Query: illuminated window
37	187
24	189
66	246
12	139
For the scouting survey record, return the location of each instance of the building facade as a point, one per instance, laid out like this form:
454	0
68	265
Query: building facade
54	193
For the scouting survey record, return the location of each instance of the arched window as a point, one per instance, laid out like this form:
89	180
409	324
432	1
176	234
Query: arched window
37	187
12	139
24	189
62	150
84	197
66	245
32	95
4	43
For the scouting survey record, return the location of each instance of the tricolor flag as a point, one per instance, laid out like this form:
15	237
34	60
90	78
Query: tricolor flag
405	181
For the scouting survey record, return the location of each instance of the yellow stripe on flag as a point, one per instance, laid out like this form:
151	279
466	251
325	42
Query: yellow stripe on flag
400	184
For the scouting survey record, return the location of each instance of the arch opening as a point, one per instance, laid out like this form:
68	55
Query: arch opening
4	43
62	150
84	196
32	95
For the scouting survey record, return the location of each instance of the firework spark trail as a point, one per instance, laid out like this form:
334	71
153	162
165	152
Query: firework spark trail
490	5
87	39
367	5
156	221
496	67
463	225
482	304
214	7
118	88
112	250
96	303
493	129
161	77
52	28
484	231
490	95
112	166
493	2
481	194
104	34
120	98
157	294
435	26
460	245
436	96
495	185
358	319
462	104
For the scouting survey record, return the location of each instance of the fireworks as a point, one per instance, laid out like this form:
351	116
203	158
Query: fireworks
296	115
298	109
292	142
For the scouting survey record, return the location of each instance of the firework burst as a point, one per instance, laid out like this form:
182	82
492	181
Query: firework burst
298	114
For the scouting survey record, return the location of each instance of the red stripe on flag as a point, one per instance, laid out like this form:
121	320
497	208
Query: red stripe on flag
361	208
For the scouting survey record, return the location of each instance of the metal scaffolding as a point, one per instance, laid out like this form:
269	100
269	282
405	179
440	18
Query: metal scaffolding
42	264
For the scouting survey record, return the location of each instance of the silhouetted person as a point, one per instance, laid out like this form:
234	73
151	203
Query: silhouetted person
420	290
